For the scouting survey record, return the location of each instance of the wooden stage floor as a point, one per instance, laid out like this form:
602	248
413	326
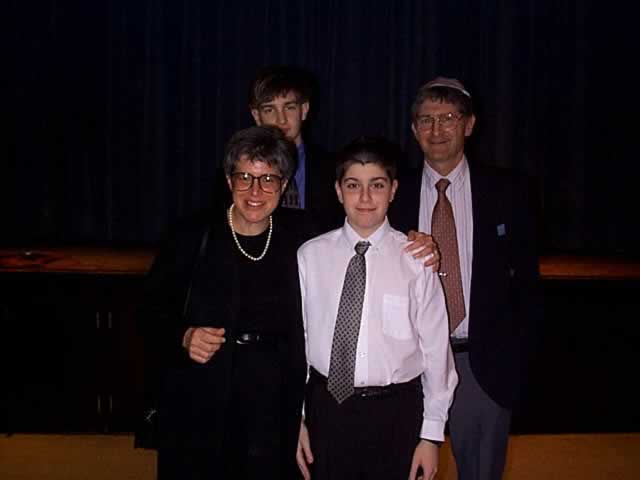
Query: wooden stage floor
102	457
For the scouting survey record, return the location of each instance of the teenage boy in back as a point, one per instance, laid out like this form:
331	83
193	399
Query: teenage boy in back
280	96
381	369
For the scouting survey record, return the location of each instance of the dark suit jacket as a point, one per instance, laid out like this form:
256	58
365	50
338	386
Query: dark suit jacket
193	398
505	302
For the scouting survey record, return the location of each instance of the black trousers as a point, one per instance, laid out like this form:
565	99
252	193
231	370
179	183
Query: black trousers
252	442
365	437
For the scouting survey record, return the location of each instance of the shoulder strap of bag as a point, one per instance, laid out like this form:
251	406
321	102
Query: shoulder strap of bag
203	247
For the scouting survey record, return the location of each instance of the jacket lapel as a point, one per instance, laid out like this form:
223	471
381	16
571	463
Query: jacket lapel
482	231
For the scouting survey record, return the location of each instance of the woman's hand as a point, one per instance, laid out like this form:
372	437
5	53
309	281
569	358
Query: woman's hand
203	342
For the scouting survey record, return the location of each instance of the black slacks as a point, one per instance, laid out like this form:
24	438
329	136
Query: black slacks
365	437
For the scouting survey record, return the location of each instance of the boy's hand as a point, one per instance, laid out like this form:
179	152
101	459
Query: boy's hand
425	456
424	246
304	456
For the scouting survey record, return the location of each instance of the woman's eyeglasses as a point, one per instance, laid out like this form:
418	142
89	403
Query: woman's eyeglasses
268	183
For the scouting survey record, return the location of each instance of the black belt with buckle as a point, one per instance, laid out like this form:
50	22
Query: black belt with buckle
256	339
370	392
459	345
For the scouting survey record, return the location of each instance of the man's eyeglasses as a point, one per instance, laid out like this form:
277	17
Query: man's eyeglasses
447	121
268	183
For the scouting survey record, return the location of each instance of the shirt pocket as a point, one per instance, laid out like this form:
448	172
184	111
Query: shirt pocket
395	317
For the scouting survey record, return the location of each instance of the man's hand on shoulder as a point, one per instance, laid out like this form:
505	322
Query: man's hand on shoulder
424	246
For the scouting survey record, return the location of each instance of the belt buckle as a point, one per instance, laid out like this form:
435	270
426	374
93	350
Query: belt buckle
370	392
363	393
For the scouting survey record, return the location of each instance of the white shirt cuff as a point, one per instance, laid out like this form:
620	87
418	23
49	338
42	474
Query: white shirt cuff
432	430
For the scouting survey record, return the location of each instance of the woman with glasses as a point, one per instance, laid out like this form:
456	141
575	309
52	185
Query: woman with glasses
232	393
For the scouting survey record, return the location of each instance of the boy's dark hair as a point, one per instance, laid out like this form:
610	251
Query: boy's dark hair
443	95
261	144
275	81
365	150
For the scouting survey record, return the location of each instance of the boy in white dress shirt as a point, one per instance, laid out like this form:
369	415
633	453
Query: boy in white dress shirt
381	369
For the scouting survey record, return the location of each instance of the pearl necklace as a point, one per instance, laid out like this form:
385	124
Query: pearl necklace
235	238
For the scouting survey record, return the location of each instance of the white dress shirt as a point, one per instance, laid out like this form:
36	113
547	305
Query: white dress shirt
459	194
404	330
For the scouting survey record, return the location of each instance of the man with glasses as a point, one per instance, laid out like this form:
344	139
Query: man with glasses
483	222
